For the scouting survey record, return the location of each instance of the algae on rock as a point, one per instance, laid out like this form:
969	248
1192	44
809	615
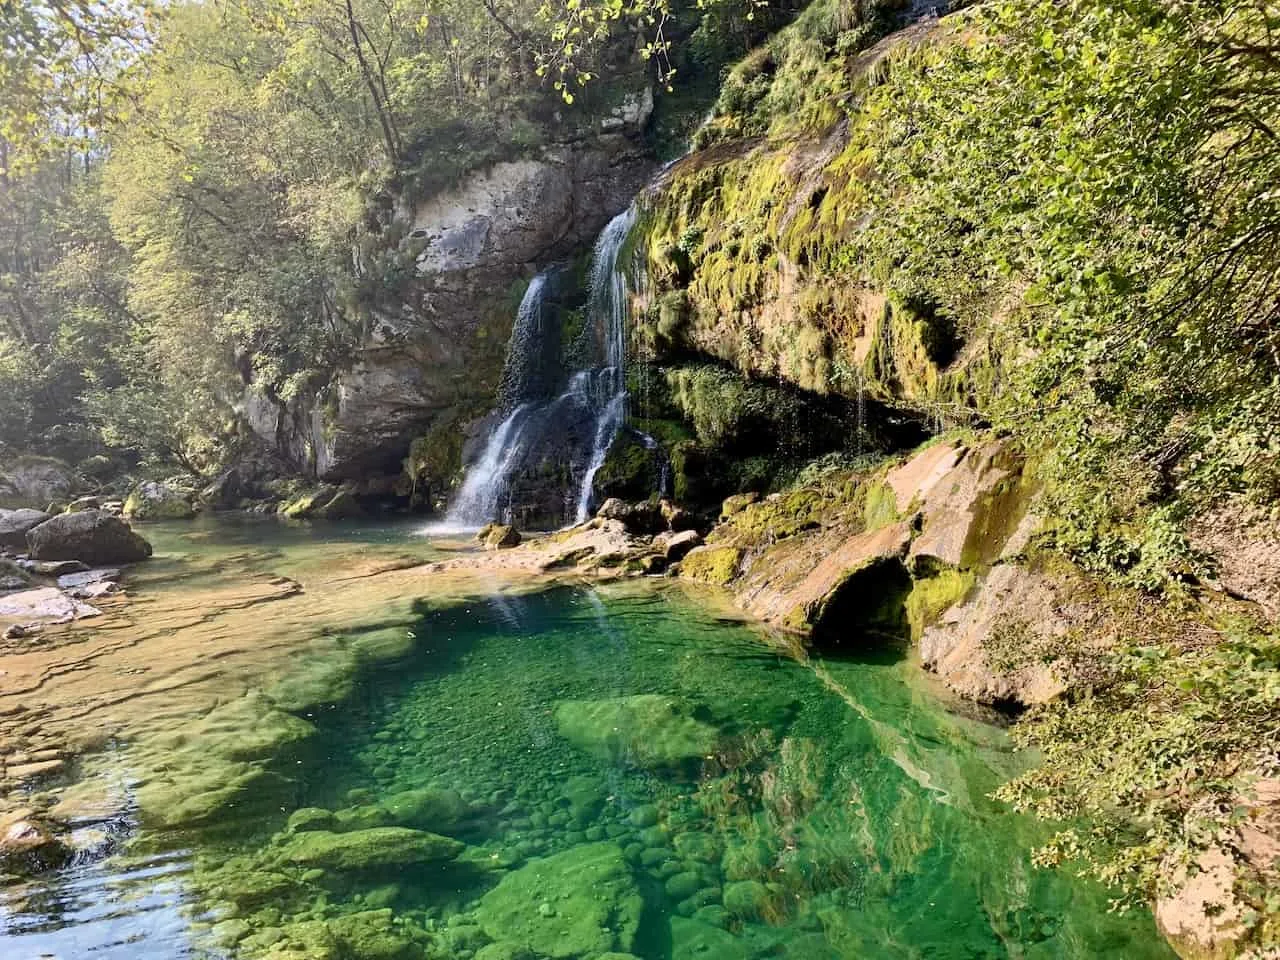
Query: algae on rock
647	730
579	903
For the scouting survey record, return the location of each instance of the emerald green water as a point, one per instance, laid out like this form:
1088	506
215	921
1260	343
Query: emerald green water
629	775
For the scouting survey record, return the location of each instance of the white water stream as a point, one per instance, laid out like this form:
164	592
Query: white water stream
596	395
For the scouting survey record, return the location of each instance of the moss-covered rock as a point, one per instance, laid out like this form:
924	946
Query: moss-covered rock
373	849
158	501
712	564
582	902
647	730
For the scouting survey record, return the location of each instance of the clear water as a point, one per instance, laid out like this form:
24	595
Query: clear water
744	804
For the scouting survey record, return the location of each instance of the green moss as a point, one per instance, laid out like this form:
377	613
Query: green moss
998	513
933	596
714	565
378	848
881	506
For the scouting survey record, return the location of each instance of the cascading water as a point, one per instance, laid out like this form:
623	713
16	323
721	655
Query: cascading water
577	426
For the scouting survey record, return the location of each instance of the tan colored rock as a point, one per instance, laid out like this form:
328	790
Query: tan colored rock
737	503
676	545
1204	920
43	605
916	479
28	845
36	770
1014	607
968	511
1244	542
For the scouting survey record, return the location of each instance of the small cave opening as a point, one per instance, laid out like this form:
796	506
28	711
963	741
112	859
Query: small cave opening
866	616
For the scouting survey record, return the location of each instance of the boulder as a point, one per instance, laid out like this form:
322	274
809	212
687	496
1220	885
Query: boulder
648	730
736	504
642	518
154	500
84	503
583	902
677	545
91	536
374	849
502	537
14	525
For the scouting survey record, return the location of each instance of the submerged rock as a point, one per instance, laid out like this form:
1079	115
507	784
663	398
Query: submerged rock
647	730
376	848
582	902
91	536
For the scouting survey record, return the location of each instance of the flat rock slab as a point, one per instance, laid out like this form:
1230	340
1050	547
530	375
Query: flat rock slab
87	577
44	605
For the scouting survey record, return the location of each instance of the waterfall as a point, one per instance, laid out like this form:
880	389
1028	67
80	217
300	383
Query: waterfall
578	425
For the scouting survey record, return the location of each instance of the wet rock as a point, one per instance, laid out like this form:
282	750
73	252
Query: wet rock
594	899
154	500
84	503
14	525
342	506
502	537
92	537
648	730
44	605
37	770
58	568
683	885
310	818
691	939
373	849
746	899
28	845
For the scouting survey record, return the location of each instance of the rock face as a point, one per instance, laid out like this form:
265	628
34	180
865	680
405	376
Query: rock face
435	354
583	902
158	501
35	482
1245	543
14	525
91	536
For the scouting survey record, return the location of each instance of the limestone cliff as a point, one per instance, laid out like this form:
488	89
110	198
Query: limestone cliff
431	353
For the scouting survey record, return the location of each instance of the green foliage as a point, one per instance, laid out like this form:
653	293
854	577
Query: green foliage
1104	169
1158	759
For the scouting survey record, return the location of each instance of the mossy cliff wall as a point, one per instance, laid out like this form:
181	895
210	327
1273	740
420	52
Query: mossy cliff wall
742	239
